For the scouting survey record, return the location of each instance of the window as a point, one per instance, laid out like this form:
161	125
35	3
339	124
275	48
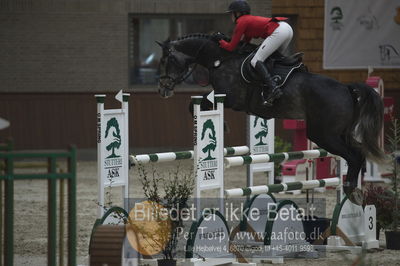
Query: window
145	30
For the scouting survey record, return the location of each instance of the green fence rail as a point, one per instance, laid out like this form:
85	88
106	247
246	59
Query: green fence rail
8	176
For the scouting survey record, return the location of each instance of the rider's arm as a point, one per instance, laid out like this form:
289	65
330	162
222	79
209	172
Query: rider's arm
237	36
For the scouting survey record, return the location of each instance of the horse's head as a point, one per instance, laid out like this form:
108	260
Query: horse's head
177	56
173	67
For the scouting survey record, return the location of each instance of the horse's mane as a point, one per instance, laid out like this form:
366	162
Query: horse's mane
202	36
194	36
191	43
207	37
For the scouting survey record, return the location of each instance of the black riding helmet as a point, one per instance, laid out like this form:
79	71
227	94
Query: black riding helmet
239	6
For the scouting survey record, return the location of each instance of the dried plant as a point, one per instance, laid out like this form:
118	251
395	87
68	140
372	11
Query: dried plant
178	187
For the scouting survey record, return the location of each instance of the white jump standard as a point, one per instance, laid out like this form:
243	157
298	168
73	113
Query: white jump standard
112	148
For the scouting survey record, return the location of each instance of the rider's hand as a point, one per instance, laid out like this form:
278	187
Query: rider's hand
216	37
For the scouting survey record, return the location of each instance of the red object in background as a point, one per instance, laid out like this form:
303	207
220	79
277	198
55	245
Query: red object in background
299	144
375	82
294	124
389	108
325	167
289	168
299	136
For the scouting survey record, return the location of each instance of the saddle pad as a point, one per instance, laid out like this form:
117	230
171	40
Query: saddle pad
279	73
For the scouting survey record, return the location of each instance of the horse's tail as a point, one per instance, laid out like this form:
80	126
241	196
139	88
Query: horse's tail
368	126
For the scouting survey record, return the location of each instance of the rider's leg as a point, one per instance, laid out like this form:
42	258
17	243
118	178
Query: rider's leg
289	31
268	83
278	40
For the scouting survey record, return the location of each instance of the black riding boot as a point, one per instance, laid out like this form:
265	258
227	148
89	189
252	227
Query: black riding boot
268	86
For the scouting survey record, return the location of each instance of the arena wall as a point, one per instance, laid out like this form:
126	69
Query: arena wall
57	54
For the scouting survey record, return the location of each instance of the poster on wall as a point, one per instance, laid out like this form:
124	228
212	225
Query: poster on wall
361	33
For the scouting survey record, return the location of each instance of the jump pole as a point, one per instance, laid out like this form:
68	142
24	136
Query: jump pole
275	157
287	156
163	157
274	188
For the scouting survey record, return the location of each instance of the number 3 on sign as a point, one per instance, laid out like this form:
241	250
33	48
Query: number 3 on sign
370	222
209	175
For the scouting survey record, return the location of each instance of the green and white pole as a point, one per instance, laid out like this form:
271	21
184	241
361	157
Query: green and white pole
275	157
256	190
181	155
112	148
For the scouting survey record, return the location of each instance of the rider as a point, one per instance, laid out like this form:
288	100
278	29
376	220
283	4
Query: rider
276	32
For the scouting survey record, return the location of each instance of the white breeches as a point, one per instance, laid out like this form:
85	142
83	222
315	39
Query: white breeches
278	40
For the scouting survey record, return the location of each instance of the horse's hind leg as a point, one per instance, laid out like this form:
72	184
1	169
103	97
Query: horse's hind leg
337	145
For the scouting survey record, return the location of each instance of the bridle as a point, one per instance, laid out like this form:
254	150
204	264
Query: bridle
179	79
183	76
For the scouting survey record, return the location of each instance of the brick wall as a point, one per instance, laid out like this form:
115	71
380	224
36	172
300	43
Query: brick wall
78	45
309	35
60	52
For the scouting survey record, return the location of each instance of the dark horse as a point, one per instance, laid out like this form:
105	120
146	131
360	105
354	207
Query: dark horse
346	120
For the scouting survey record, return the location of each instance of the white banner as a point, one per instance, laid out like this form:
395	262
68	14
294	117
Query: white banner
362	33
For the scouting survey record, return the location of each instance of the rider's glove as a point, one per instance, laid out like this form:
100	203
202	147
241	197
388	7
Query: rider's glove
216	37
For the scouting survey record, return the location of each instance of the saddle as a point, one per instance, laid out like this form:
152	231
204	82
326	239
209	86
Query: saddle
279	66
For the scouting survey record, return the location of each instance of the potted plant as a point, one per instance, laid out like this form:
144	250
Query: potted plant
381	197
386	199
167	194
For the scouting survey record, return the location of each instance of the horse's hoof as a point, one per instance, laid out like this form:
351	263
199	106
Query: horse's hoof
267	102
355	196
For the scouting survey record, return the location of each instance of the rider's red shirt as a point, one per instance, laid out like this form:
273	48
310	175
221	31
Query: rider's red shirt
248	27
